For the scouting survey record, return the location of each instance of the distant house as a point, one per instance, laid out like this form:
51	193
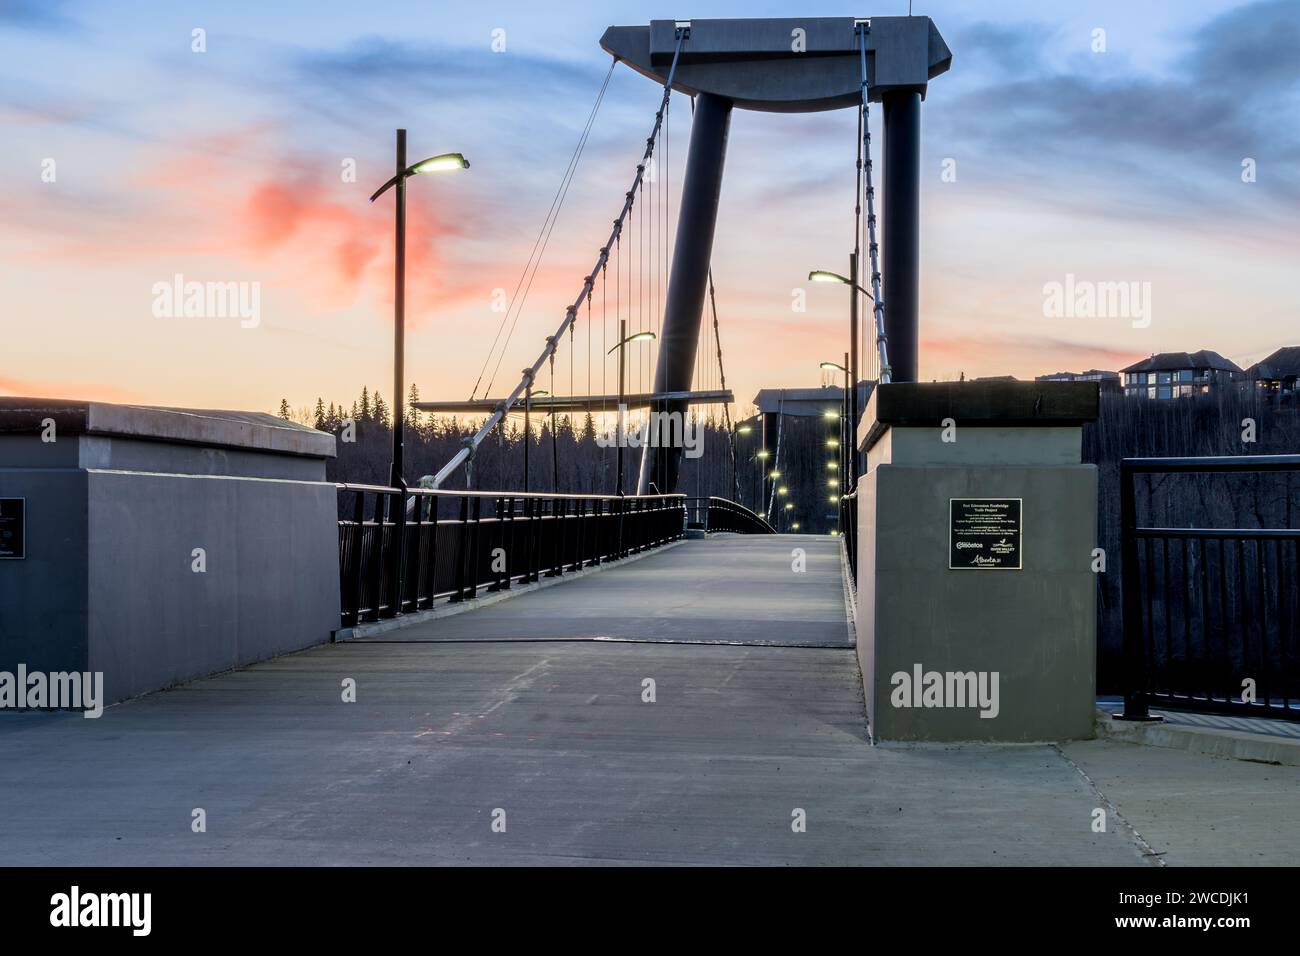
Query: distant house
1107	381
1277	374
1178	374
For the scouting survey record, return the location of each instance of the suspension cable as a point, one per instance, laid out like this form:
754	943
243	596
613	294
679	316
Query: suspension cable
722	375
878	306
542	240
776	459
471	444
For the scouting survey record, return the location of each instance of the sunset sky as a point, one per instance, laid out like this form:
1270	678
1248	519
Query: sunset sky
225	166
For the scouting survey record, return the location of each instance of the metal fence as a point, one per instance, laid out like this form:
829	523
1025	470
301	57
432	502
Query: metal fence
404	551
1209	612
849	530
721	514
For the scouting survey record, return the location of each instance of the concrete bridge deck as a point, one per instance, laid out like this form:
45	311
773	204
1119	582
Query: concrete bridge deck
730	589
555	732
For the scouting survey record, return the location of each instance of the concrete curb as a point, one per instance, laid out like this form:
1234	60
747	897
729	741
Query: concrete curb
363	631
1234	744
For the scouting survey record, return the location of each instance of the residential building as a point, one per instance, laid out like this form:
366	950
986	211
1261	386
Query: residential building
1106	381
1178	374
1277	374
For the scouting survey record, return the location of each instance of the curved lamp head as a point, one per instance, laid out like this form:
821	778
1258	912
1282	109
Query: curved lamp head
434	164
635	337
438	164
834	367
821	275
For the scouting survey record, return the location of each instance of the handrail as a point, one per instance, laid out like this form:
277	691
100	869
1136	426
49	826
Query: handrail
462	493
1212	463
726	505
405	549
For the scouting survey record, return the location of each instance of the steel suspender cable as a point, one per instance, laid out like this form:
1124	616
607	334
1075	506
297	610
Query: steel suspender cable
548	224
722	375
776	459
509	401
878	306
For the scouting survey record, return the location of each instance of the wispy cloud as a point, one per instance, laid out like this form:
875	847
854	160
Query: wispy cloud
1109	142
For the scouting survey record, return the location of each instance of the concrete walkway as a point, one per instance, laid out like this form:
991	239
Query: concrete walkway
726	589
557	735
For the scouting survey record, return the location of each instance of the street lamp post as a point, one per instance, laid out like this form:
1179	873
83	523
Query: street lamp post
528	412
624	340
737	430
851	360
847	440
395	474
432	164
396	478
844	403
850	476
555	454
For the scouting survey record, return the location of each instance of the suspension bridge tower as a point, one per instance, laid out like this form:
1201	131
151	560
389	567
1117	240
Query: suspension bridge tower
796	65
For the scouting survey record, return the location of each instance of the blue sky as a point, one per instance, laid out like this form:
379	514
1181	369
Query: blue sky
1115	166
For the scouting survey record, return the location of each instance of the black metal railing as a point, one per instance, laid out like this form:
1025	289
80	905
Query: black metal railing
1209	611
401	552
722	514
849	530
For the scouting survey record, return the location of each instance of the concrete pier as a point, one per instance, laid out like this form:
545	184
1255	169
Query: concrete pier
976	524
163	544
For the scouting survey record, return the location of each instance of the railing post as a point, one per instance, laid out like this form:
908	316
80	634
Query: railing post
497	538
1135	675
399	553
508	546
474	548
535	546
581	506
462	549
622	508
415	542
561	509
357	552
430	583
377	558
